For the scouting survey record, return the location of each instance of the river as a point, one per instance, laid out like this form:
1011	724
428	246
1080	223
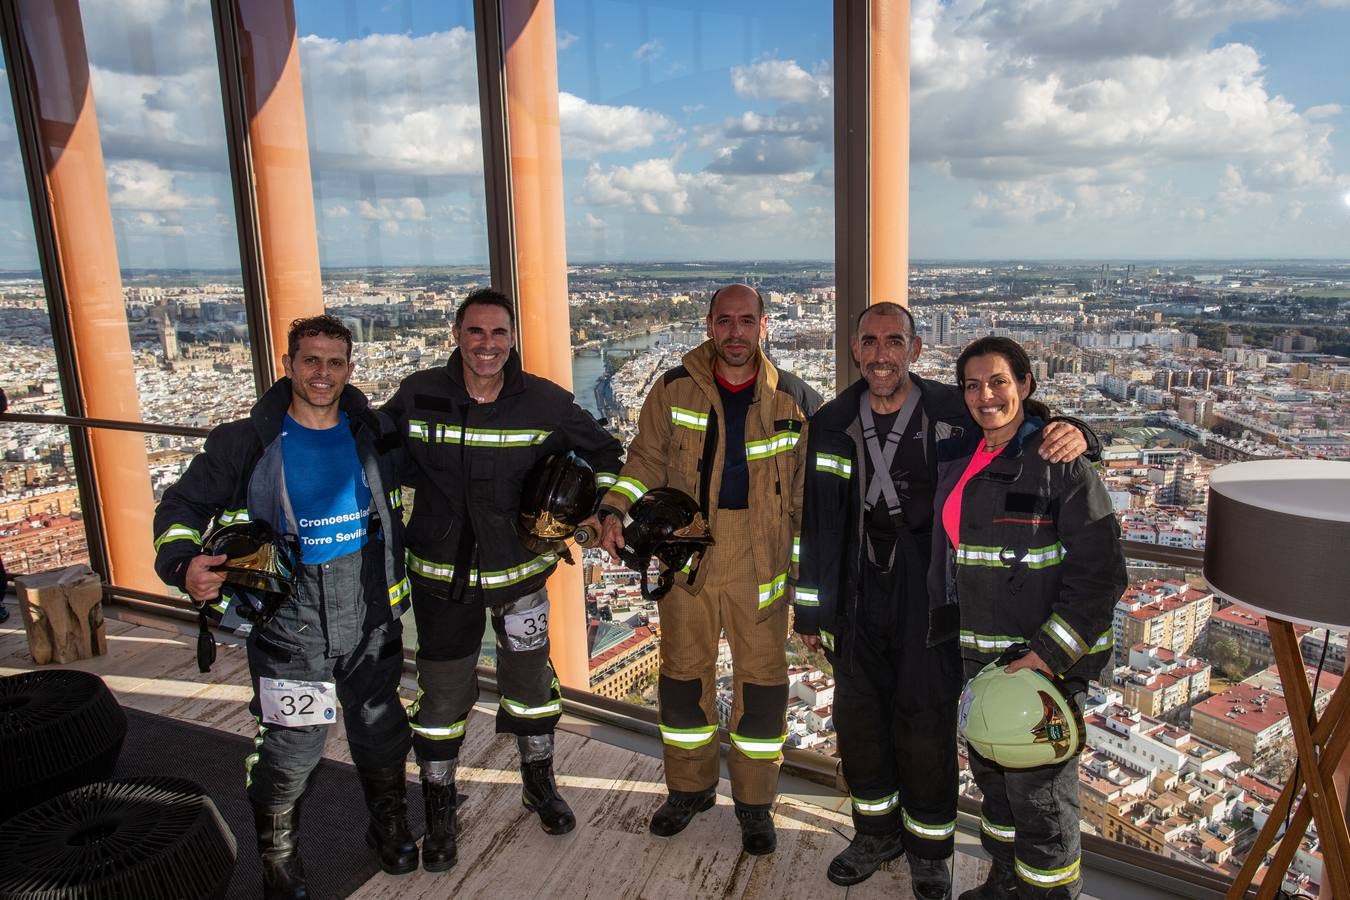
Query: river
587	371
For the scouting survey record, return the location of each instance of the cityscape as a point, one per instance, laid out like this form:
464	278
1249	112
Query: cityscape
1179	367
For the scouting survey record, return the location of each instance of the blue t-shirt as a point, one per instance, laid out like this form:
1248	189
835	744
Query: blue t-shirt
328	489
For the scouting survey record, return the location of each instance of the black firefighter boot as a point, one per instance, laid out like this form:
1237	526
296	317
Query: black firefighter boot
999	884
539	790
277	828
439	851
387	799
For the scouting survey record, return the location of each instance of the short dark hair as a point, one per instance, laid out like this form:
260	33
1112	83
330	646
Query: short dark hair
1018	361
712	301
485	297
888	308
317	326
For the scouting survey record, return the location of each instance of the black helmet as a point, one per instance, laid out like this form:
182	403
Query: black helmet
258	560
666	524
559	493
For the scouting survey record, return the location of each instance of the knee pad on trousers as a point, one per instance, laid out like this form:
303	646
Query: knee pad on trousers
763	708
446	690
680	699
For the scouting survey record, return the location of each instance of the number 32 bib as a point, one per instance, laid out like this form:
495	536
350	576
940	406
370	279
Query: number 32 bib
295	703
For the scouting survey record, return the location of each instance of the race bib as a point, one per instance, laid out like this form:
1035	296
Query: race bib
296	703
528	629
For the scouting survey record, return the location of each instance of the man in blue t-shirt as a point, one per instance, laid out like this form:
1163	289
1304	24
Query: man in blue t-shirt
314	461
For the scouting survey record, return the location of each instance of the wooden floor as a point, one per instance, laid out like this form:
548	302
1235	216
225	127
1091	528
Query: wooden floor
503	853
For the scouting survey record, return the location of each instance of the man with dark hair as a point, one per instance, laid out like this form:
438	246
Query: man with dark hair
863	598
473	430
315	463
726	428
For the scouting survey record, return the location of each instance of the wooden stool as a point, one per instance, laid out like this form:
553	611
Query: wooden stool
62	614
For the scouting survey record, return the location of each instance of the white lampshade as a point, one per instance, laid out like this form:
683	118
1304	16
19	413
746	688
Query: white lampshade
1278	539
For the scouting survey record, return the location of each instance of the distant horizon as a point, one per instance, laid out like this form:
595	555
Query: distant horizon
36	274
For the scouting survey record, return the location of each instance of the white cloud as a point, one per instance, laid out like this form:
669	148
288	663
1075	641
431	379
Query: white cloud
141	185
782	80
590	129
404	209
1074	108
649	51
655	187
566	39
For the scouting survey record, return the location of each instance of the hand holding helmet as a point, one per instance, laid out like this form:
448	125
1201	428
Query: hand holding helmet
559	495
1020	718
666	524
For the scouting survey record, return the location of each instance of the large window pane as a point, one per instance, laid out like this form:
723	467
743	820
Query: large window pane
40	523
156	88
697	151
391	107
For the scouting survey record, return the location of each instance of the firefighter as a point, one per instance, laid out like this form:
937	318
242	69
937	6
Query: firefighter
473	430
315	463
727	428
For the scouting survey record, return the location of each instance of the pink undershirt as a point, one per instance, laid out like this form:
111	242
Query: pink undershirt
951	509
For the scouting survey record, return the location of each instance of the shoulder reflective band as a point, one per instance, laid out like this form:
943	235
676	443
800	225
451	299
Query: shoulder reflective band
1046	878
474	437
875	807
806	596
928	832
178	533
758	748
688	418
772	591
630	488
1004	833
781	442
835	465
688	737
989	643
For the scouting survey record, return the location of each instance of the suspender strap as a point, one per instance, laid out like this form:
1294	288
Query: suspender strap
882	486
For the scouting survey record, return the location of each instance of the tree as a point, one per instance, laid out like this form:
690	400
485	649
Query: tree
1227	656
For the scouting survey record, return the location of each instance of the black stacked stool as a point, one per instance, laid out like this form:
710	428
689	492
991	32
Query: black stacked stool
151	838
59	729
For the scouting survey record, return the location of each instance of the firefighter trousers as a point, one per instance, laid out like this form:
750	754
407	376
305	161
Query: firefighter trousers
1029	820
336	629
449	640
691	625
895	714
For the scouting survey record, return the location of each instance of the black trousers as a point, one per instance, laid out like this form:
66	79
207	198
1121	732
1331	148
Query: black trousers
1030	821
895	714
338	628
449	636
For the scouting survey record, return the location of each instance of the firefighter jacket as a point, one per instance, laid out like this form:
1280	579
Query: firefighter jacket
1039	560
832	547
239	477
467	462
677	445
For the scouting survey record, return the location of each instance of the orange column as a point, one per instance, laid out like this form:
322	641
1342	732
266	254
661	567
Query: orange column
279	157
889	142
530	39
77	195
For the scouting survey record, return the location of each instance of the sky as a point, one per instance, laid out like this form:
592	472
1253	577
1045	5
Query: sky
703	129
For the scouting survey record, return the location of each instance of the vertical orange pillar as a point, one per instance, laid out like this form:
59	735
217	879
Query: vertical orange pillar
889	142
77	197
278	143
531	50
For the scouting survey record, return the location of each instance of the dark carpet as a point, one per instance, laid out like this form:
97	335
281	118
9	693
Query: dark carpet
333	818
